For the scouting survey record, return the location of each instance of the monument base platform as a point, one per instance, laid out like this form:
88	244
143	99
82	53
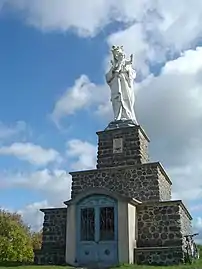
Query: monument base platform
120	124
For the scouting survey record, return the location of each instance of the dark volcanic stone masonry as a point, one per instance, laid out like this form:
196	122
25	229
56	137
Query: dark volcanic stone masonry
143	182
161	224
135	147
159	255
161	227
54	237
126	170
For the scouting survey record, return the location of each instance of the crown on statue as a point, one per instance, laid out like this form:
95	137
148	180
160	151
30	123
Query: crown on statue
117	49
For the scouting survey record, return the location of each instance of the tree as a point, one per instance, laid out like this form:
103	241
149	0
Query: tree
36	240
15	239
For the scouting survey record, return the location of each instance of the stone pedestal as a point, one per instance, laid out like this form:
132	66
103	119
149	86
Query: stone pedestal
123	167
122	147
124	171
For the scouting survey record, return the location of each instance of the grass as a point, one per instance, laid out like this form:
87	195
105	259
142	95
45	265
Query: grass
197	265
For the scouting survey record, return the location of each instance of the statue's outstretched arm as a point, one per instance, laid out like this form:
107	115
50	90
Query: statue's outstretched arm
131	58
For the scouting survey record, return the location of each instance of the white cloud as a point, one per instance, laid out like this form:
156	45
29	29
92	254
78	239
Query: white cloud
85	18
157	31
81	95
54	184
32	153
82	154
173	100
8	131
155	28
32	215
175	93
104	110
187	182
169	106
185	15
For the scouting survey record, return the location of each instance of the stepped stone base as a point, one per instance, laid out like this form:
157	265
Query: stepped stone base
123	168
159	256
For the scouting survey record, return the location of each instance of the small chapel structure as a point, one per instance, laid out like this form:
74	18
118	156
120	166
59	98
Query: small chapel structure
120	212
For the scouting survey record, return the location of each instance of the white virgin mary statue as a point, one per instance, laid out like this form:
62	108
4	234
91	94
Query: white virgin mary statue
120	80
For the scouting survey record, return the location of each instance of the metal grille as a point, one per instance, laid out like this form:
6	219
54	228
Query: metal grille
106	223
88	224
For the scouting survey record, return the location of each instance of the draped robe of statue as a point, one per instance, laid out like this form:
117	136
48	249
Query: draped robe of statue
120	81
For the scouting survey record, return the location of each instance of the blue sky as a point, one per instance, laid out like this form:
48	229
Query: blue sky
53	96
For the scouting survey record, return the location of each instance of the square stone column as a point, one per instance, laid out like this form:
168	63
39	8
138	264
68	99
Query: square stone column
122	147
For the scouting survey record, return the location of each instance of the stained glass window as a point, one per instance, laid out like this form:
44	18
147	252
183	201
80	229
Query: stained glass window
87	224
106	223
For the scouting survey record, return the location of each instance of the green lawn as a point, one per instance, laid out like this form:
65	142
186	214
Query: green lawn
197	265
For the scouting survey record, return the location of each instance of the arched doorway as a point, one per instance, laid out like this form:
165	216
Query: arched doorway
97	231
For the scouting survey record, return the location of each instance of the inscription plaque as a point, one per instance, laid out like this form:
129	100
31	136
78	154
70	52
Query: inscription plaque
117	145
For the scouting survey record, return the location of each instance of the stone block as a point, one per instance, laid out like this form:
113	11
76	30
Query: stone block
162	224
54	237
144	182
133	147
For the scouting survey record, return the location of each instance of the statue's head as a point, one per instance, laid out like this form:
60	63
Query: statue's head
118	52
